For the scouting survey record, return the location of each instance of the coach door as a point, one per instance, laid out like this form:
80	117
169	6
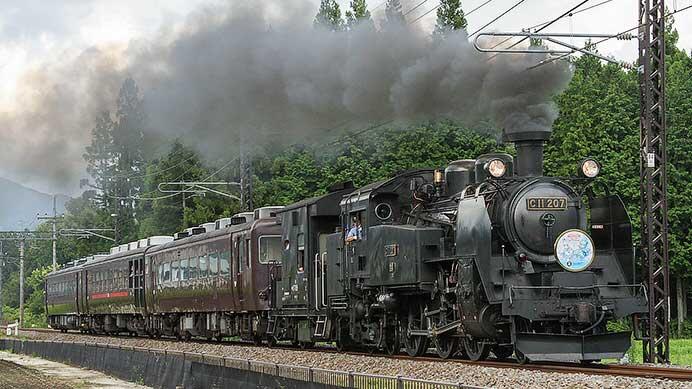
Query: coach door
82	305
239	263
136	281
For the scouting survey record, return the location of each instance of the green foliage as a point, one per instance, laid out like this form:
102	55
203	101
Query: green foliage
358	13
680	352
394	12
329	16
450	16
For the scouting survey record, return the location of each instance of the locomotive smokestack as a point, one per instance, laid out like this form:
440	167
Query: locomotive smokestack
529	144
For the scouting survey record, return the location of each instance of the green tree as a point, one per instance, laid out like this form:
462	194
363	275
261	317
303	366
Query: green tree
329	16
165	215
679	123
100	155
358	13
394	11
128	139
450	16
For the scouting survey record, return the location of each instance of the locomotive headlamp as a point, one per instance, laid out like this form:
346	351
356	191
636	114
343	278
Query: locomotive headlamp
496	168
590	168
574	250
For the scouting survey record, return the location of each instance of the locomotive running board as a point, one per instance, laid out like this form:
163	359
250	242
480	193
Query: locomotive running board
567	348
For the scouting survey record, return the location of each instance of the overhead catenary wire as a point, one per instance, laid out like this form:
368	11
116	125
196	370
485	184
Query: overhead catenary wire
439	5
590	44
498	17
545	25
416	7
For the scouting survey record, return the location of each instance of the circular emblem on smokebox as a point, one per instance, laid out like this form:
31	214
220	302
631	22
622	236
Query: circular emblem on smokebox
548	219
574	250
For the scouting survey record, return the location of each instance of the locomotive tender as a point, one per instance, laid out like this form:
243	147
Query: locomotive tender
488	255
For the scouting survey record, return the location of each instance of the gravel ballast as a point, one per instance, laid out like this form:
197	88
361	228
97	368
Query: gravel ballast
437	371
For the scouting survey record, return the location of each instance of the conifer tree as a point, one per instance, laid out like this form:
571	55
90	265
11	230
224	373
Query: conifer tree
394	11
358	12
329	16
450	16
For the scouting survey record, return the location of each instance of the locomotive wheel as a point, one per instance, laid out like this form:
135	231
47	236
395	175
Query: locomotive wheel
219	338
392	343
521	358
306	345
257	340
446	346
503	352
416	346
475	349
271	341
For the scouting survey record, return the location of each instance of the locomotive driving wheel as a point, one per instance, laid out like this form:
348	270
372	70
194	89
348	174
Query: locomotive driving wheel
476	349
446	346
415	345
392	344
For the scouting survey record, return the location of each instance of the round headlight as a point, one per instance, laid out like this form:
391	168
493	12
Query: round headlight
574	250
590	168
496	168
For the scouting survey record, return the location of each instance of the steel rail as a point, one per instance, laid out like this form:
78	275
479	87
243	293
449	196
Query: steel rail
635	371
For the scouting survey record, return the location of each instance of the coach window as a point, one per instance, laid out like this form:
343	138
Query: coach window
213	265
241	255
269	249
248	253
161	273
184	271
193	268
175	271
203	266
224	263
166	272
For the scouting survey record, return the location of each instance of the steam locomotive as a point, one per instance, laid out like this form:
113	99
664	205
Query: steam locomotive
487	255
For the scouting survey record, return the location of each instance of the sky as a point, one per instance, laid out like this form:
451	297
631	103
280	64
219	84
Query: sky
37	33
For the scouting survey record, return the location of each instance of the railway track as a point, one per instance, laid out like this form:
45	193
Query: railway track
638	371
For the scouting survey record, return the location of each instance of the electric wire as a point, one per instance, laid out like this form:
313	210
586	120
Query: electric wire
497	18
416	7
551	60
545	25
439	5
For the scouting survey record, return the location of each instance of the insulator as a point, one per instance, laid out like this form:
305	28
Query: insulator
625	37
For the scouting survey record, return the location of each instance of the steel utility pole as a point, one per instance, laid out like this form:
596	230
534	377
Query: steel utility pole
245	180
53	220
653	180
23	237
21	283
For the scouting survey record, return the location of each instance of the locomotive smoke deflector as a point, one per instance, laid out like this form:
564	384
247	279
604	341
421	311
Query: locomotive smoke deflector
529	144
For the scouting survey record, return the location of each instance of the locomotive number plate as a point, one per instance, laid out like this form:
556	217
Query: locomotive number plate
391	250
546	203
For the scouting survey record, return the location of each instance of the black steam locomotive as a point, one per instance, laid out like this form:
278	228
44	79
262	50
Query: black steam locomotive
488	255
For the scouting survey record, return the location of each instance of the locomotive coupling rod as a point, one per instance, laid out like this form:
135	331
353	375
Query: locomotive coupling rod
445	328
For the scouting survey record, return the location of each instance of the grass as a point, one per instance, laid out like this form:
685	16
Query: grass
680	352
